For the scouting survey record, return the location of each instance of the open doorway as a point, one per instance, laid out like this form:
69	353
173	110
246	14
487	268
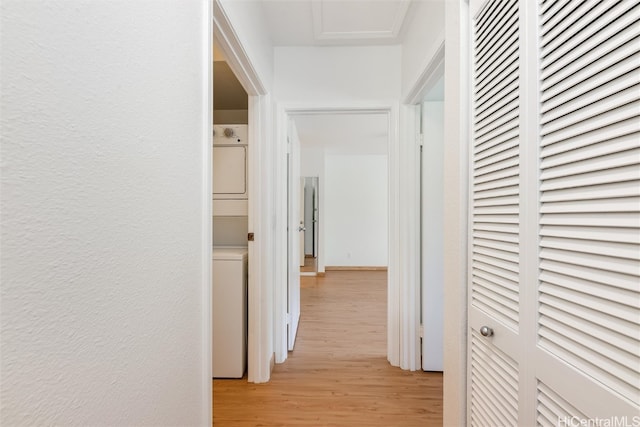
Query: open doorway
227	46
341	159
425	115
230	221
311	198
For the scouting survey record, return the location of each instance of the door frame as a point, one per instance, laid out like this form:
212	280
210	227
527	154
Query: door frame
457	137
411	271
285	112
292	193
454	53
259	179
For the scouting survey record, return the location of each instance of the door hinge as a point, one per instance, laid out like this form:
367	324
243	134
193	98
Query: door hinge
421	140
288	318
421	331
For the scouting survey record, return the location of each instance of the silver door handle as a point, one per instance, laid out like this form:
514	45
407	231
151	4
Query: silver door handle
486	331
301	228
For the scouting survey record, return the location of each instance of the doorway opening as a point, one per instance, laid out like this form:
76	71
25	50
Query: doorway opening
260	257
311	197
230	221
427	116
339	162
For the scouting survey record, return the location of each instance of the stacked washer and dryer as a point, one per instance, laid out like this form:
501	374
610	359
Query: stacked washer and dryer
229	264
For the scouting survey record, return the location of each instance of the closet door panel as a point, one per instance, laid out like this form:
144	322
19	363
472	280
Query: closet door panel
588	326
494	288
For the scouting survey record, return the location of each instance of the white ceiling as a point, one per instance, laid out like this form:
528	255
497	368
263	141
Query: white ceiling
335	22
344	133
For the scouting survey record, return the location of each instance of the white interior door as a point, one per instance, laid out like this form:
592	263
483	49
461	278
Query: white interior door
554	317
294	237
316	216
302	225
588	325
432	279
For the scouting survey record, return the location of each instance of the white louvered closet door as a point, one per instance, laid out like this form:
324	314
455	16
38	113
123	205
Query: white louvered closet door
494	289
555	213
588	329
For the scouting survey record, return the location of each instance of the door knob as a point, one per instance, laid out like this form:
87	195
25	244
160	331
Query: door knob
486	331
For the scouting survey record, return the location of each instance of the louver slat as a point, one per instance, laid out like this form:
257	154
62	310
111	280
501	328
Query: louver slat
496	164
553	410
589	291
581	37
495	210
494	385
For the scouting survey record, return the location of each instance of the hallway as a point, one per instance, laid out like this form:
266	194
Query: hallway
338	374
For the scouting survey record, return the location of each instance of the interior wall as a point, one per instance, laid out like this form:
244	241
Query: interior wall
231	117
356	210
337	75
423	36
105	249
311	161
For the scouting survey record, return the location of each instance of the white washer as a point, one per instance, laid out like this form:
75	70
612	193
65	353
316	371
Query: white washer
229	294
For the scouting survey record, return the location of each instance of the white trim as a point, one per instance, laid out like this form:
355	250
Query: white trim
529	202
391	34
393	273
207	202
457	114
260	287
284	112
280	251
409	242
260	294
429	75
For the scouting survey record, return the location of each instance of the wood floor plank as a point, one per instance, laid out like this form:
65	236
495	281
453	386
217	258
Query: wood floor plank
337	374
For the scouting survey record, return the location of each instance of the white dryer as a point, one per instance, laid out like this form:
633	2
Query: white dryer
230	163
229	295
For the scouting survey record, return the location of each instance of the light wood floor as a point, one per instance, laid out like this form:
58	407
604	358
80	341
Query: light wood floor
337	374
309	265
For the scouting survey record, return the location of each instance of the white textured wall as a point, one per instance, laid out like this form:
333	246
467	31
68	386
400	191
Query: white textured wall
103	123
337	75
356	210
424	33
